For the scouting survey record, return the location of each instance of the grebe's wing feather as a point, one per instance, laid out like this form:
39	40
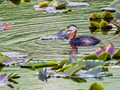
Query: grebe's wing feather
85	41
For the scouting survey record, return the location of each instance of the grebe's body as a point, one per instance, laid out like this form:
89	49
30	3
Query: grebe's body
81	40
84	41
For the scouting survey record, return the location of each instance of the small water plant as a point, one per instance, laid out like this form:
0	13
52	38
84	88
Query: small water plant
105	54
8	79
57	6
100	22
7	61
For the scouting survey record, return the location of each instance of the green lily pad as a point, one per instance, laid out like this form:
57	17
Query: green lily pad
88	57
105	74
105	27
80	66
38	64
61	6
67	67
79	80
116	55
60	65
95	17
1	68
94	71
44	4
96	86
62	62
81	89
16	2
107	16
25	0
94	26
104	56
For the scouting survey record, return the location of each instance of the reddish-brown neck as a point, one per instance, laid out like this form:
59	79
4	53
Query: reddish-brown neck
72	35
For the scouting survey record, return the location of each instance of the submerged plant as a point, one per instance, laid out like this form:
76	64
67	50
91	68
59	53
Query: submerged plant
100	22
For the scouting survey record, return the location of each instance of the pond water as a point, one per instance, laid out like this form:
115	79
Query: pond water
28	24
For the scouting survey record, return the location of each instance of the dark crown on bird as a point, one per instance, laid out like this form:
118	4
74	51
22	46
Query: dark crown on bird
71	26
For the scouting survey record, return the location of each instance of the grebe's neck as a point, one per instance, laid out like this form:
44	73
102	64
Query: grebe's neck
72	35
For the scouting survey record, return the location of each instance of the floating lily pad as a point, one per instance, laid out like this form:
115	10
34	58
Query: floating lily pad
77	68
61	6
43	4
104	56
96	86
105	74
25	0
94	71
94	26
38	64
16	2
92	63
60	65
95	17
1	67
78	80
88	57
107	16
105	27
116	55
66	67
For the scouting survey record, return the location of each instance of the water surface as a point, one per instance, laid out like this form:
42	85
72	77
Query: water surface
27	24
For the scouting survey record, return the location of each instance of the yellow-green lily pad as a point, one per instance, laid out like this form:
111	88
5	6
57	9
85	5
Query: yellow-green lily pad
116	55
61	6
96	86
16	2
88	57
104	56
107	16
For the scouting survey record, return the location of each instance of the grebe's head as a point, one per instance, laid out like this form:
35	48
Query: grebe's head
71	27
